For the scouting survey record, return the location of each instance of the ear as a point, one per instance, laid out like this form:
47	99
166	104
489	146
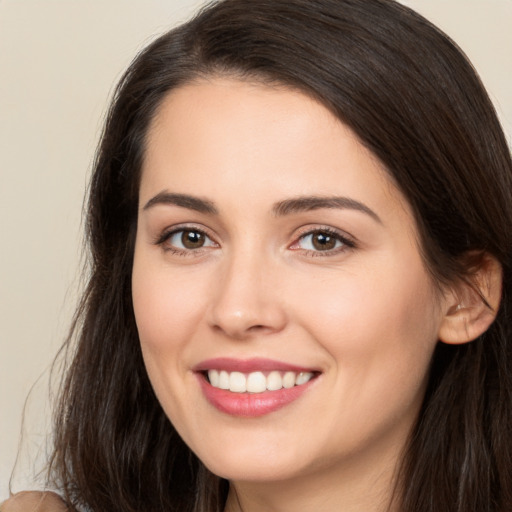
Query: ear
472	305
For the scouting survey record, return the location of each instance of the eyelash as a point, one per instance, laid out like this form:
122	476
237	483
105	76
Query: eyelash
164	238
346	242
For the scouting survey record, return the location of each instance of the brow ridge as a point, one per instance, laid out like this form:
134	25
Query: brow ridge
308	203
280	209
184	201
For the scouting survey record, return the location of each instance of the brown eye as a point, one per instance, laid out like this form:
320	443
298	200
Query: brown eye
323	241
192	239
187	240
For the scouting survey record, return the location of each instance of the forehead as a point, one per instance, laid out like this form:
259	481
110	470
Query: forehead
231	139
223	115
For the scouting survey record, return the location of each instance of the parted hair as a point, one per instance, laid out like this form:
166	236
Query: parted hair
416	103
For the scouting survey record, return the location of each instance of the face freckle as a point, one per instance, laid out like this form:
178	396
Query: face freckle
301	258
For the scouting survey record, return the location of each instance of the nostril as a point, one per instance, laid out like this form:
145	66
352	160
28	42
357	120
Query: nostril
252	316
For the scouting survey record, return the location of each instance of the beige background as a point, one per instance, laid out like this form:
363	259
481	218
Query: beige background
58	62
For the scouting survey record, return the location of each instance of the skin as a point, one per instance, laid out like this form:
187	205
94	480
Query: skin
34	501
365	314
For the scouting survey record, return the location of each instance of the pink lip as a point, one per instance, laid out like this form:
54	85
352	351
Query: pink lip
249	405
248	365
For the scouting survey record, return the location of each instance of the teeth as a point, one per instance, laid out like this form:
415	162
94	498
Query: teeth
274	381
224	380
289	380
237	382
302	378
214	377
257	382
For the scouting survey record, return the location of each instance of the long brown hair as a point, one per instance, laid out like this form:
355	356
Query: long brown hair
414	100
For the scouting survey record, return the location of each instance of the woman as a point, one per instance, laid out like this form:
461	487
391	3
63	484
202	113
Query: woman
300	225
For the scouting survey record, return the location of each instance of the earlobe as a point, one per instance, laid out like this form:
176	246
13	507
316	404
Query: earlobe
472	305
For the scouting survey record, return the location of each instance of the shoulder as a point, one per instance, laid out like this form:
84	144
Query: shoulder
34	501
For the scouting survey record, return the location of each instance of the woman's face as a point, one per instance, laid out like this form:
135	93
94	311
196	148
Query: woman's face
274	253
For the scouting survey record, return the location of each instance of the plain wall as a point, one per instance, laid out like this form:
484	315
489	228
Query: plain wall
58	63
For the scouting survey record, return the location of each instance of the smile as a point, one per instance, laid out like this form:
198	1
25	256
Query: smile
252	388
257	382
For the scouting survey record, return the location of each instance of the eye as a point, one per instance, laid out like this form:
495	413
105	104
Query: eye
187	239
319	241
322	240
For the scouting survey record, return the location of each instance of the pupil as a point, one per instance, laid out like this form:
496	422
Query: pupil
323	241
192	239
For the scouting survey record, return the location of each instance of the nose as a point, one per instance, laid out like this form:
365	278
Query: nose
247	299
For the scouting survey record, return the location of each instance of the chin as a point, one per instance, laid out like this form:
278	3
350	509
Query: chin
259	472
256	462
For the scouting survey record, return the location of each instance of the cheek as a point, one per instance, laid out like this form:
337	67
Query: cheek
379	328
166	304
376	304
168	308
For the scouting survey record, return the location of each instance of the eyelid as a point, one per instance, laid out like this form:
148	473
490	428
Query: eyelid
166	234
348	241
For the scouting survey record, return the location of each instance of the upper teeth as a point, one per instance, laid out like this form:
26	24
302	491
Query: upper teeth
256	382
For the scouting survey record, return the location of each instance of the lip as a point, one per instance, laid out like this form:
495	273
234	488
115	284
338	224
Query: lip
250	405
249	365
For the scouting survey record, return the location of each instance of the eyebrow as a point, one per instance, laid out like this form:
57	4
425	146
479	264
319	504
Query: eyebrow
184	200
308	203
280	209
